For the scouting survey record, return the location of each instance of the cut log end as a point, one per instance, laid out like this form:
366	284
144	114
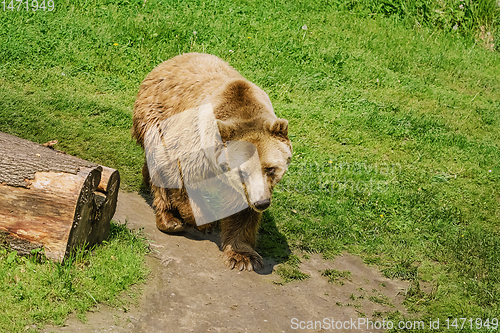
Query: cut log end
81	230
105	199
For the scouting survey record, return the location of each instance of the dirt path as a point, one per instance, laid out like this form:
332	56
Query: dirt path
190	290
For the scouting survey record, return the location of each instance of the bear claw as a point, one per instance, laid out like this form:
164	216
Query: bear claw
243	260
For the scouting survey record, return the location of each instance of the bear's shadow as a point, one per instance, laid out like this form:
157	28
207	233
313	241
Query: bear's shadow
271	244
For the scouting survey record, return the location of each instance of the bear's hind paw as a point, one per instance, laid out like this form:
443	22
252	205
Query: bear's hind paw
166	222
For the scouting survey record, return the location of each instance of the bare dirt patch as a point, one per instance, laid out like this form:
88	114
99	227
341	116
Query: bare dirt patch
191	290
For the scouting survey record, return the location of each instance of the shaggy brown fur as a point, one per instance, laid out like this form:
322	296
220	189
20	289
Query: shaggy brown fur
243	112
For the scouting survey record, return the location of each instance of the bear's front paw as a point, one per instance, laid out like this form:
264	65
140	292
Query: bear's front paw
242	260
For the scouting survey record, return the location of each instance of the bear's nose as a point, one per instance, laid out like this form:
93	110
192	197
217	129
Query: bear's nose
262	204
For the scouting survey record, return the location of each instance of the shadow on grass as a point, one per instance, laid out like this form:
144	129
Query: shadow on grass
271	243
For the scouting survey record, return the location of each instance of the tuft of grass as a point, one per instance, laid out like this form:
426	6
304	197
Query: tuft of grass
404	271
381	299
289	271
336	276
37	291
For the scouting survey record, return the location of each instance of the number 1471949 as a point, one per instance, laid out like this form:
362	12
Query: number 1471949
33	5
477	323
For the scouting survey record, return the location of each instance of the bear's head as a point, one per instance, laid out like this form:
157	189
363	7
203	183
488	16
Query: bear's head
244	113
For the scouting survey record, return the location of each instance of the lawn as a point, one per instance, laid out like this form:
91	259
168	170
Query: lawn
394	119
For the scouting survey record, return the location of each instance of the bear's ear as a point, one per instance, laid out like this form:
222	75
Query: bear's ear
238	91
279	127
226	129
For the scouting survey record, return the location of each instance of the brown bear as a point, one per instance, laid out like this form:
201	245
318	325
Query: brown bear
242	112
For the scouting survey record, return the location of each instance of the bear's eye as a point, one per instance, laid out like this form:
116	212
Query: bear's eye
270	171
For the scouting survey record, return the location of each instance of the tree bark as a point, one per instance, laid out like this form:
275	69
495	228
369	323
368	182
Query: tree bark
52	200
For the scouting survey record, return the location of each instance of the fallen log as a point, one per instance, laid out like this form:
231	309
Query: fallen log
52	200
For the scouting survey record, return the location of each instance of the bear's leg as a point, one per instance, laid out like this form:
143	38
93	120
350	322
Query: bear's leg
188	210
239	235
145	175
166	220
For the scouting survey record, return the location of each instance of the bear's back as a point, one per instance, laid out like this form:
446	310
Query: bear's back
179	84
183	82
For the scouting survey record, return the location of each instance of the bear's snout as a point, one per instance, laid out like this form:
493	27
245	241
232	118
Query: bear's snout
262	205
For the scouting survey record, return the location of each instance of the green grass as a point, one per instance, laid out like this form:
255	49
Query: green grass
463	16
395	125
336	276
36	291
381	299
289	271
